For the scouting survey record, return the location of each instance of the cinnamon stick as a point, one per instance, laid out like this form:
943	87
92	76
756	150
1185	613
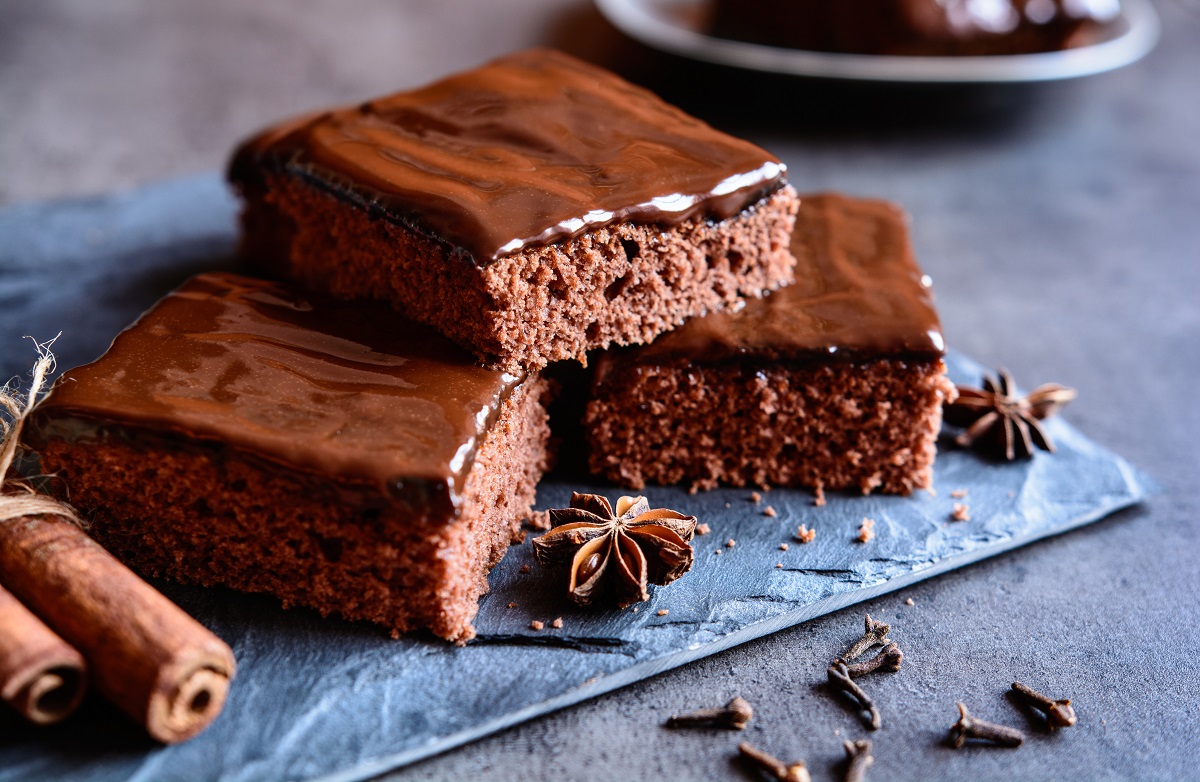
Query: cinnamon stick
41	676
149	657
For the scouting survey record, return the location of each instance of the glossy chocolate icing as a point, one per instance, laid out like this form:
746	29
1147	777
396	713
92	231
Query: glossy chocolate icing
863	296
522	152
348	391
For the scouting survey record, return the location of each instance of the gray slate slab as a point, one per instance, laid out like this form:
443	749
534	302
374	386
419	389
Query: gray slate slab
332	700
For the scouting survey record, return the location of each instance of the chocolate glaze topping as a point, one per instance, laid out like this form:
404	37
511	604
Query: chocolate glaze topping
351	391
525	151
862	297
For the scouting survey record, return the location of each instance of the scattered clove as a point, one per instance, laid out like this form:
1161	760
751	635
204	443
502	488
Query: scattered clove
888	660
969	727
1059	713
839	680
733	715
796	772
874	634
859	759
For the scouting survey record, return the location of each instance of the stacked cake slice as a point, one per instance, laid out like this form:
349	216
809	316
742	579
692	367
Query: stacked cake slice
365	437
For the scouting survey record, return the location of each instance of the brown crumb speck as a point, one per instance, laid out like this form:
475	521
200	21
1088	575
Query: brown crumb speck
866	530
805	535
718	551
779	566
728	505
783	547
703	529
819	497
730	543
662	612
524	568
537	624
557	623
909	602
635	609
958	494
755	497
961	512
512	605
770	511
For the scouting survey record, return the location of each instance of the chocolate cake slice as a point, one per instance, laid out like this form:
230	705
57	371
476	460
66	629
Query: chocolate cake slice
923	28
532	209
834	382
337	456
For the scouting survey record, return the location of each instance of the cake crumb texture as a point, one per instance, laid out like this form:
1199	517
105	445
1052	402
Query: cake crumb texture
868	426
618	285
209	515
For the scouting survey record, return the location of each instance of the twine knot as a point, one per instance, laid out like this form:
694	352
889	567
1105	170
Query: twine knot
17	498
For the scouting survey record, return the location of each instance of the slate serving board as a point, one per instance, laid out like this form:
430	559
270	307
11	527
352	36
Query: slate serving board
324	699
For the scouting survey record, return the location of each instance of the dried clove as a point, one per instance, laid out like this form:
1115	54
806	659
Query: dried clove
969	727
733	715
796	772
1059	713
839	679
859	759
888	660
875	634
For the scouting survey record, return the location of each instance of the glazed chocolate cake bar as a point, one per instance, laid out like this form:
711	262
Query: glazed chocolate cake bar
834	382
936	28
336	456
532	209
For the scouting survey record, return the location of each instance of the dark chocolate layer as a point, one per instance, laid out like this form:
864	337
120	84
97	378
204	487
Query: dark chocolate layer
351	391
863	297
915	27
524	151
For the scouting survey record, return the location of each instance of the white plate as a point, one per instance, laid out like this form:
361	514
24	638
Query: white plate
676	26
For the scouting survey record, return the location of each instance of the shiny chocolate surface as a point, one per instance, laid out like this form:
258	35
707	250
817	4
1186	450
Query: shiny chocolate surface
346	390
525	151
862	296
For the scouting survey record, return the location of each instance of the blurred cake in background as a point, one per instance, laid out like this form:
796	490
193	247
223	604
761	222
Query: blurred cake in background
916	27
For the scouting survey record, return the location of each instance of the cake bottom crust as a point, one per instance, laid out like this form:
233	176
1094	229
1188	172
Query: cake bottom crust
209	516
870	426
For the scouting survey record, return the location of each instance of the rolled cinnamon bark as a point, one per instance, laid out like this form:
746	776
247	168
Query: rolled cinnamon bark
149	657
41	676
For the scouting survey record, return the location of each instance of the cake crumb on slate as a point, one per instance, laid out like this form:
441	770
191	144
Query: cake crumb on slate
783	547
961	512
663	612
537	624
512	605
730	543
805	535
770	511
703	529
909	602
557	623
819	496
866	530
958	494
524	568
755	497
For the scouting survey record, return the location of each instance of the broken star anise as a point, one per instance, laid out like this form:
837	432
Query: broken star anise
615	555
1001	422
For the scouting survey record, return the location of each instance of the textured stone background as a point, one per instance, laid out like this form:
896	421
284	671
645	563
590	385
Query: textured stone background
1059	225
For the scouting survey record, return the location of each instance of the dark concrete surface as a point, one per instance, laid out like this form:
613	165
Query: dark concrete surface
1061	225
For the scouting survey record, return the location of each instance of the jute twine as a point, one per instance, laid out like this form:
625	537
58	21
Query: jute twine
17	498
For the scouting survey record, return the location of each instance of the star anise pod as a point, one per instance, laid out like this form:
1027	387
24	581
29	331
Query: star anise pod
615	555
998	420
